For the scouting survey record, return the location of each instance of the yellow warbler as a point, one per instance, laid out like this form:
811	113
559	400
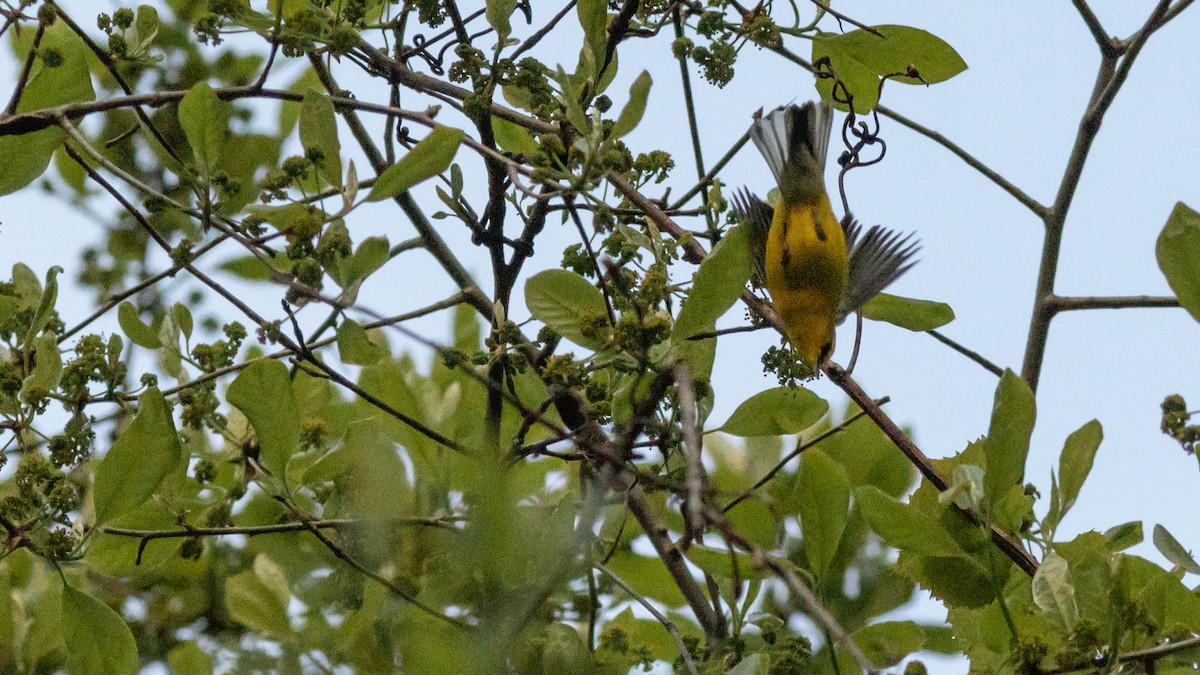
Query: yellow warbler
818	270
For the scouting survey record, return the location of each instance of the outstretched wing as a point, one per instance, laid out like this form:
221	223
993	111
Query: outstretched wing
756	215
877	258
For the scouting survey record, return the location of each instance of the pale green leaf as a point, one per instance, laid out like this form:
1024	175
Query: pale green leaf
915	315
718	284
99	642
258	598
823	494
1075	463
318	131
205	119
886	644
355	345
1172	550
131	324
563	301
138	462
905	527
24	157
426	159
782	410
1178	249
1054	593
263	392
1007	442
633	111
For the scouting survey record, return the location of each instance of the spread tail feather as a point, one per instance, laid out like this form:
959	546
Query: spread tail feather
794	140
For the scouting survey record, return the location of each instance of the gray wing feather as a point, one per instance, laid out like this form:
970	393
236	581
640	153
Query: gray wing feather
877	258
757	216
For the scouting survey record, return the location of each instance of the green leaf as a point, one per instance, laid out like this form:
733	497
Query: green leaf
904	527
98	641
860	81
632	113
513	138
318	131
131	324
782	410
1054	593
1174	551
253	268
1121	537
563	300
887	643
48	366
263	392
915	315
757	663
823	494
146	26
498	14
1075	463
564	650
718	284
45	308
182	317
1007	443
427	159
1178	249
355	346
258	598
138	462
370	255
189	659
205	119
900	48
170	357
724	563
24	157
593	17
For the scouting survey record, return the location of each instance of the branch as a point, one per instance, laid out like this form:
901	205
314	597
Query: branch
1004	184
969	353
1059	303
675	562
659	616
1104	41
340	554
808	600
255	530
1112	74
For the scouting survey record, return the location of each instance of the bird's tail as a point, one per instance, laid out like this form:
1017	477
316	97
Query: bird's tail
794	139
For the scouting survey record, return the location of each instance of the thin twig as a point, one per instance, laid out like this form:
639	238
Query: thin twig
808	600
256	530
969	353
1061	303
694	503
659	616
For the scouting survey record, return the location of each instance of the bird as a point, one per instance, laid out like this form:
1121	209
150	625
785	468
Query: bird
818	270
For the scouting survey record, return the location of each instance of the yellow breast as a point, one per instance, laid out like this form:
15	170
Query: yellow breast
806	270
